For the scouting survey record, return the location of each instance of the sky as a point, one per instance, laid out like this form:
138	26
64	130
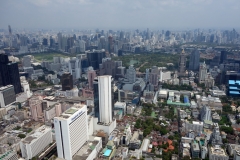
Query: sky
120	14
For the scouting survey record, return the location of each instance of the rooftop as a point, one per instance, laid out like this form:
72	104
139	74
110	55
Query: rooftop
38	133
217	150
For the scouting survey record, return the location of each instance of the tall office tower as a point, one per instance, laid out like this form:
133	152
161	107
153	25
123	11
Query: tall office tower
206	113
26	61
96	98
223	57
202	72
60	39
67	81
10	36
121	35
71	130
95	58
9	73
147	75
45	42
194	60
91	75
154	76
75	68
23	40
51	42
182	63
131	74
105	99
36	142
110	44
7	96
35	104
82	45
102	43
108	67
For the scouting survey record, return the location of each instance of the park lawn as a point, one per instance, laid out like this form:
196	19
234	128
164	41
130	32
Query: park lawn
153	114
46	56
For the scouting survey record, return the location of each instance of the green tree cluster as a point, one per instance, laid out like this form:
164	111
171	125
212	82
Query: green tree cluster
148	125
228	130
177	87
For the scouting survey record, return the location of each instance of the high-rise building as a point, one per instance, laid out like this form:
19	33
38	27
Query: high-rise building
7	96
223	56
131	74
45	42
91	76
206	113
71	130
154	76
194	60
182	63
75	68
60	39
36	109
105	99
95	58
9	73
37	142
202	72
67	81
108	67
26	61
96	98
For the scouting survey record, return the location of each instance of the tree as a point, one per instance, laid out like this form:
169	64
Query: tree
228	130
21	136
170	137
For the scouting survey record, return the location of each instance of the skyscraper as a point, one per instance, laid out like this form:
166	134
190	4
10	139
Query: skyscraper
108	67
223	56
202	72
91	75
194	60
71	130
105	99
206	113
154	76
182	63
95	58
131	74
103	96
26	61
67	81
9	73
75	68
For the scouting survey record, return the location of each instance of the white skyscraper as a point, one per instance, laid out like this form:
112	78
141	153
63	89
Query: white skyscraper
105	98
71	130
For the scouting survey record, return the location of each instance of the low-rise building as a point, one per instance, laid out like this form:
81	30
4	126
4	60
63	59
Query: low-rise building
218	153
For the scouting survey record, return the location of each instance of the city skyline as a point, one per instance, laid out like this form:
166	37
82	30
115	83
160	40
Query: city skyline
83	14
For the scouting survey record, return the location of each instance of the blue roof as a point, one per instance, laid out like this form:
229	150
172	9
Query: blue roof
107	152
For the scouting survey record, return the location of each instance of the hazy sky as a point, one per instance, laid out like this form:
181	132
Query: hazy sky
120	14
